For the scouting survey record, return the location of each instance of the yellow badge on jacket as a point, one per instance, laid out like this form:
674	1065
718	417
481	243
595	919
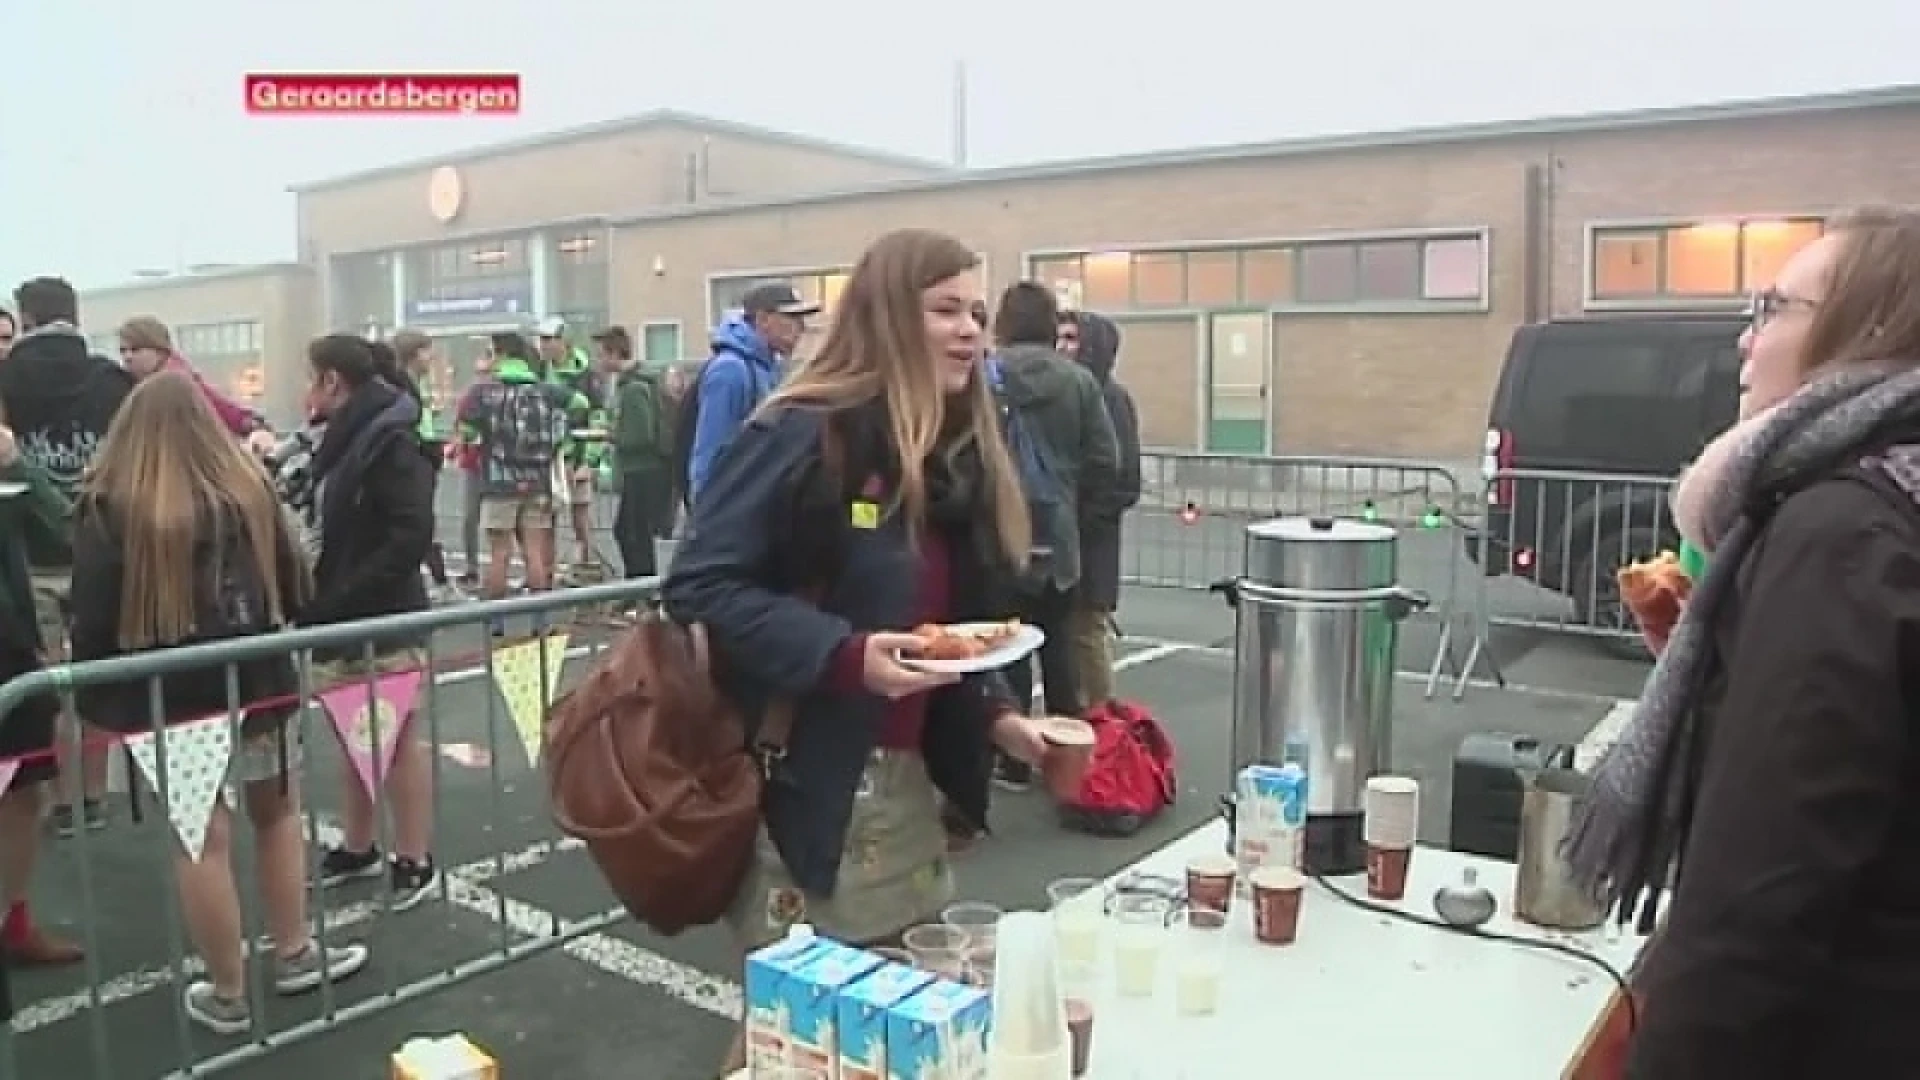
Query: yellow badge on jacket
866	515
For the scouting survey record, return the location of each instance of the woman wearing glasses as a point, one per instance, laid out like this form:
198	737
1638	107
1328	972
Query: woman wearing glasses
1771	774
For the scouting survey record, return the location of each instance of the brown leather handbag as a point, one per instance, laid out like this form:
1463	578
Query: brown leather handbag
648	764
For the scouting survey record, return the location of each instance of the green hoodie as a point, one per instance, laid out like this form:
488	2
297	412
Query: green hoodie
643	435
40	517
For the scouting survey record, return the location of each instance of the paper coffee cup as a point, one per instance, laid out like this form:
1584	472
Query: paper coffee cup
1391	811
1069	752
1210	881
1387	871
1276	903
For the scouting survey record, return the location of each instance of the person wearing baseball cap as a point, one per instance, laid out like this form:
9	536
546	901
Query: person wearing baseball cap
748	349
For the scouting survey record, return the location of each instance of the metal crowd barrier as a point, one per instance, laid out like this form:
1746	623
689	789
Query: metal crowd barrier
1188	531
90	1022
1552	542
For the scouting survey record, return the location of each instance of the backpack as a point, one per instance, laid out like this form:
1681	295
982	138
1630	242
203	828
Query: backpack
525	429
686	419
1046	492
648	764
1131	777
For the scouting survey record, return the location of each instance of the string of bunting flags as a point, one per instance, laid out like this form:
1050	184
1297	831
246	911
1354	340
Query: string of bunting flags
369	717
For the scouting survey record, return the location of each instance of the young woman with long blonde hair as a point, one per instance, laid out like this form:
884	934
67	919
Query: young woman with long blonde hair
180	539
869	495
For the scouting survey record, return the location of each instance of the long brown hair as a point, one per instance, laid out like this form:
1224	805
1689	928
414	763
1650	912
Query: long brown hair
877	347
167	474
1871	312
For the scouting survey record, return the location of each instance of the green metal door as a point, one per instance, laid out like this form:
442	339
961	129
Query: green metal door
1238	345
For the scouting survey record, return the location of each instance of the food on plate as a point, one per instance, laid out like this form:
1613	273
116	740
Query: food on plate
1655	590
966	642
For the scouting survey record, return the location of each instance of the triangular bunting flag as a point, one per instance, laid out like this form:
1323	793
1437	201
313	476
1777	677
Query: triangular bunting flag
362	714
517	668
196	758
8	768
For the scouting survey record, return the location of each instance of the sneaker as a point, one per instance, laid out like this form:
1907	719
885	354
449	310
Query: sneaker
1011	775
412	882
304	972
222	1016
339	866
61	819
94	813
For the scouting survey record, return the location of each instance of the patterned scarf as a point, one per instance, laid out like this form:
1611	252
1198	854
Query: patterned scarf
1626	829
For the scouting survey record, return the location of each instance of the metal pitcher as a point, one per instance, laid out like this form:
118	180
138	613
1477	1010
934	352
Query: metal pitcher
1544	893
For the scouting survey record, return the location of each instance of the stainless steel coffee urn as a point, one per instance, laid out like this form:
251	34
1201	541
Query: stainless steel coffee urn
1318	613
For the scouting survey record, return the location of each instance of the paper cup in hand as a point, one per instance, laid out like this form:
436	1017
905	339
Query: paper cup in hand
1069	752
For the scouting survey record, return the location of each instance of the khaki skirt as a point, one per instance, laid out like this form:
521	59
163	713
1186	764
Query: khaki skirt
894	871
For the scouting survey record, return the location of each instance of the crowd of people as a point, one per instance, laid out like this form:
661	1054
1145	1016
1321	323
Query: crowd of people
155	511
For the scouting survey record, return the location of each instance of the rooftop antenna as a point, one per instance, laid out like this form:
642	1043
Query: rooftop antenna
960	114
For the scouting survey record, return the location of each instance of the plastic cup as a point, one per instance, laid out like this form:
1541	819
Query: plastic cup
1078	921
1198	944
979	921
1387	871
980	961
1140	931
938	948
893	955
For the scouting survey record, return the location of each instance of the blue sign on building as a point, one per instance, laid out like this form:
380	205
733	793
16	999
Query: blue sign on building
507	304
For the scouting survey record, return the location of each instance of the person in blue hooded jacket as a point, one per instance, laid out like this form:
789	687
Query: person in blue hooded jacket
748	349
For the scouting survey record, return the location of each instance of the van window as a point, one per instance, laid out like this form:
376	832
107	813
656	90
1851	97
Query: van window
1720	400
1605	403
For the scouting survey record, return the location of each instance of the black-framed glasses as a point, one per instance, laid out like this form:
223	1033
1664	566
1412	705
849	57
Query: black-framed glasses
1769	304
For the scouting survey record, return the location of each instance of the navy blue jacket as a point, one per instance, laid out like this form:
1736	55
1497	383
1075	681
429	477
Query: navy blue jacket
777	520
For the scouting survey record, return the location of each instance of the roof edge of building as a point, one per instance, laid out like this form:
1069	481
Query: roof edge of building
224	273
653	118
1453	134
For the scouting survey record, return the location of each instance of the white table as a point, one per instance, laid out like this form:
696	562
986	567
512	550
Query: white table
1365	995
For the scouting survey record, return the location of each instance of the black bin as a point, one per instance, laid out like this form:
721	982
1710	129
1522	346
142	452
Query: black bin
1489	773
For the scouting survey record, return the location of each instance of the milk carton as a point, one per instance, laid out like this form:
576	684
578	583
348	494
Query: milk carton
863	1018
1270	817
769	1025
812	998
939	1033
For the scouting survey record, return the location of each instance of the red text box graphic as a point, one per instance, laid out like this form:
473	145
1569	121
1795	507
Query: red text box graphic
376	94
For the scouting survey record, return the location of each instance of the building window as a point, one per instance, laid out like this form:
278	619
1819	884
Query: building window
230	355
1689	263
1159	279
363	290
822	287
1413	273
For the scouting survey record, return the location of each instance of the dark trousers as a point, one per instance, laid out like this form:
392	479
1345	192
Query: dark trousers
470	519
646	499
1052	611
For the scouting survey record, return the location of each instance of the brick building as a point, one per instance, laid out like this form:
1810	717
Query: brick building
1339	295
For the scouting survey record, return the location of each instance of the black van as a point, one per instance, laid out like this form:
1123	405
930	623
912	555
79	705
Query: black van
1593	402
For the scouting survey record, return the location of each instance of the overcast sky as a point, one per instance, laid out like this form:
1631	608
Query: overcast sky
124	142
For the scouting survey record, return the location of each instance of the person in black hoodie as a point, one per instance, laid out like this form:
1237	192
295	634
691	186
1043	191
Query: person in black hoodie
178	540
876	481
61	397
374	520
1094	341
1060	406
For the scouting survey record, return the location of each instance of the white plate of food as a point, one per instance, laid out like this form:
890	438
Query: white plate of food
967	648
